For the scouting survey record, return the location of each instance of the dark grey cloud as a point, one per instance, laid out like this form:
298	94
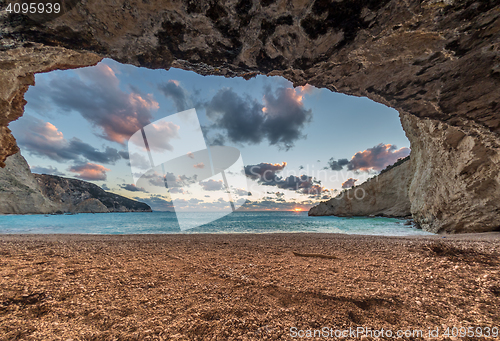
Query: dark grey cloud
217	140
132	188
176	93
157	203
240	118
124	154
46	170
337	164
266	174
303	184
105	187
243	120
109	155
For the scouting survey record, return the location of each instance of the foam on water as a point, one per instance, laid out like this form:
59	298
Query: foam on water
237	222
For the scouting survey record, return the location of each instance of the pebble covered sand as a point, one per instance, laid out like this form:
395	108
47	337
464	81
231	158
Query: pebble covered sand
243	287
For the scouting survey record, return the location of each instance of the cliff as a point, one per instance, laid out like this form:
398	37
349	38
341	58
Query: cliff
436	61
74	195
383	195
22	192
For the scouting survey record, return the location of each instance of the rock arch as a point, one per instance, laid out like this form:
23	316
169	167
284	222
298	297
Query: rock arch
436	61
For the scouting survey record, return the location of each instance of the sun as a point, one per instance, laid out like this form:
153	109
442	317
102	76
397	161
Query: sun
297	209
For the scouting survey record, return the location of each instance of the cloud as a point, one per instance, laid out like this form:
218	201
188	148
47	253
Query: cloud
241	192
105	187
243	120
176	190
276	205
176	93
264	172
371	159
157	203
303	184
132	188
96	95
159	135
285	117
337	165
306	89
156	180
110	155
212	185
349	183
199	165
377	158
139	161
44	139
124	154
90	171
170	179
217	140
46	170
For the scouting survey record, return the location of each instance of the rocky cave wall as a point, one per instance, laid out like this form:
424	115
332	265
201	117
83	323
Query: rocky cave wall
436	61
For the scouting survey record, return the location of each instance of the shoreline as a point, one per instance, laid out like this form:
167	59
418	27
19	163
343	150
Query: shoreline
477	236
242	286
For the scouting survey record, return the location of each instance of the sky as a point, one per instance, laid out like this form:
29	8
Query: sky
294	146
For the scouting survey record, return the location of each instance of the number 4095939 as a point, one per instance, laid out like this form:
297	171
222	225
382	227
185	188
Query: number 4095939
33	8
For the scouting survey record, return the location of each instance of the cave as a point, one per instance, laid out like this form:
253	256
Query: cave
437	62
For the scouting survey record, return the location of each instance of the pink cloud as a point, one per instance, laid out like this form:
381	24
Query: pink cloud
349	183
377	158
97	96
90	171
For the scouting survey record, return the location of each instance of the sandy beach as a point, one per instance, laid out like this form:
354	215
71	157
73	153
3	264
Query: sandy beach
243	287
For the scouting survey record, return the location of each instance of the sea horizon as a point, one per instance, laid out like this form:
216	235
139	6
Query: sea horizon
164	222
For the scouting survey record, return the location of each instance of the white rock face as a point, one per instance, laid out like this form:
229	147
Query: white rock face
384	195
456	176
19	190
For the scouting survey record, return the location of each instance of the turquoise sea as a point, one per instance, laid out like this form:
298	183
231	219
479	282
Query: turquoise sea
236	222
